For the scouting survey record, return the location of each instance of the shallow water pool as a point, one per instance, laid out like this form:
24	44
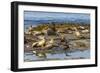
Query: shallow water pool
29	56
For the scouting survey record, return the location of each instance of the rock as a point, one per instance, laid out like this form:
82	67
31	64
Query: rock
50	32
27	47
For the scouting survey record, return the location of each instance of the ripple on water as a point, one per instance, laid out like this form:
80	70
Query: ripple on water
58	56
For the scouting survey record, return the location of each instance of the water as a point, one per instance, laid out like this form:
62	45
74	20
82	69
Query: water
37	17
59	56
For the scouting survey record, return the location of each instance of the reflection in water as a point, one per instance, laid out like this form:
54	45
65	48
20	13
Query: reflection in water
61	56
62	30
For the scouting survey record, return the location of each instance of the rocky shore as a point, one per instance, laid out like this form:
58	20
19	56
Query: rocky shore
53	39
